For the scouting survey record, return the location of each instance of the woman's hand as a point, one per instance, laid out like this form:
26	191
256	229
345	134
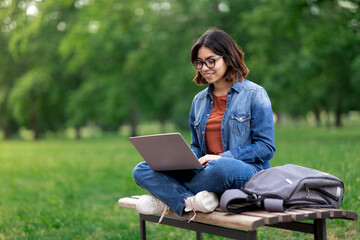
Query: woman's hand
207	158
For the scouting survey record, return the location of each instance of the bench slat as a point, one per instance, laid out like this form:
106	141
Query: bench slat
296	216
349	215
268	218
309	215
283	217
336	213
227	220
320	212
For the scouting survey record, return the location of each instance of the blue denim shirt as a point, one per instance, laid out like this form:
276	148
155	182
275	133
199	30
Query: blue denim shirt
247	128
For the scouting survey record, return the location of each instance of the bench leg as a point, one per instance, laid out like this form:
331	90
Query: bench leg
142	228
320	229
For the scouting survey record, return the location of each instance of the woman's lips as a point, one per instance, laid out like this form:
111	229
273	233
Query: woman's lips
208	75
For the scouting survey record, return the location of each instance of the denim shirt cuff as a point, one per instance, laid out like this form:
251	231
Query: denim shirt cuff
227	154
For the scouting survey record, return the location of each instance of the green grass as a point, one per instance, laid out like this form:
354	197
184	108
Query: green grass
67	189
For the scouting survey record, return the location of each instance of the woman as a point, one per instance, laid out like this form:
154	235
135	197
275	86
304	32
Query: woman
232	133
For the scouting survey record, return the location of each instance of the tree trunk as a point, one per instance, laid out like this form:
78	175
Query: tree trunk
35	126
6	134
338	113
162	125
34	121
317	117
134	121
328	121
278	118
77	133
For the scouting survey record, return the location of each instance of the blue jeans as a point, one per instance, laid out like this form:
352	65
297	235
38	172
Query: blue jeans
173	187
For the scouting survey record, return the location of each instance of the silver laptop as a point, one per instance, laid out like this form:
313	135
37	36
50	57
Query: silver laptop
164	152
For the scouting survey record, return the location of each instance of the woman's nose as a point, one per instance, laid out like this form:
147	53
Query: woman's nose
204	67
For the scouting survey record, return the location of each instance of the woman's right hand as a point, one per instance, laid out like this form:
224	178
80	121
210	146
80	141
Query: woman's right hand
207	158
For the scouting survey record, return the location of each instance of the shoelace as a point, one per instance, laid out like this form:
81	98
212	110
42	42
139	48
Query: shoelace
191	205
166	210
193	217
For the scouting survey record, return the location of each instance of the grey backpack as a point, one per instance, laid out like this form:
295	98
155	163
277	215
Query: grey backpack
285	187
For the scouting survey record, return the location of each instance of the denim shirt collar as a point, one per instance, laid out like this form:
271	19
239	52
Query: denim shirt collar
235	87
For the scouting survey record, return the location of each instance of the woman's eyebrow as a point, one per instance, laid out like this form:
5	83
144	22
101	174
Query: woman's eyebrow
212	56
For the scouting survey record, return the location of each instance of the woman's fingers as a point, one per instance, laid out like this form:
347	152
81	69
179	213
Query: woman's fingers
207	158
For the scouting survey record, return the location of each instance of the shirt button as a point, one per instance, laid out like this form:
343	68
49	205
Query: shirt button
207	114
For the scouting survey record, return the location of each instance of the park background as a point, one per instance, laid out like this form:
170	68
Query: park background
77	78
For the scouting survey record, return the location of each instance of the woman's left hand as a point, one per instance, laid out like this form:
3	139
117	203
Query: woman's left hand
207	158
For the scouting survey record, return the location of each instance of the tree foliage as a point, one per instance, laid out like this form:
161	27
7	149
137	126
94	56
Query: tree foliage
66	63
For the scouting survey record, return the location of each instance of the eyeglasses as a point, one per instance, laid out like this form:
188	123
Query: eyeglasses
210	63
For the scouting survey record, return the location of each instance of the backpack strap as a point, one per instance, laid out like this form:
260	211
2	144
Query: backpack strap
274	205
236	196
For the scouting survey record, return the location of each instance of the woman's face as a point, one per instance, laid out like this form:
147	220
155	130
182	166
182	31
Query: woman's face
212	75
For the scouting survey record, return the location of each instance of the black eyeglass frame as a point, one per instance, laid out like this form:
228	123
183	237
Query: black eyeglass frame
202	62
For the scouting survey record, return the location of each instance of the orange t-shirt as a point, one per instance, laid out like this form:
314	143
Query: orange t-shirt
213	126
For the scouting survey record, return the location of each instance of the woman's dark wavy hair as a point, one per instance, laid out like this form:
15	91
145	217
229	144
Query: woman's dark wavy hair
223	45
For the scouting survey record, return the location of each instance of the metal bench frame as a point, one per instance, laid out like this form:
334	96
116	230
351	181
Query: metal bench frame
245	225
318	228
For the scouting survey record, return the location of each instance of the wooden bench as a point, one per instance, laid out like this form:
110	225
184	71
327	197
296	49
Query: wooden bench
244	225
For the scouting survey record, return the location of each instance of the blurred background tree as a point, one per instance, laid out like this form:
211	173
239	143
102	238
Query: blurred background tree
66	63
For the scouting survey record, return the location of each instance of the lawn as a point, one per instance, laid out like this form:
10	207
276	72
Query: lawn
68	189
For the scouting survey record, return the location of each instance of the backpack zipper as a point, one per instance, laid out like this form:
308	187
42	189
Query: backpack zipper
307	192
324	192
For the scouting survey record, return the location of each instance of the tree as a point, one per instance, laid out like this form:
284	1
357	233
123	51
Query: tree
302	56
37	96
9	70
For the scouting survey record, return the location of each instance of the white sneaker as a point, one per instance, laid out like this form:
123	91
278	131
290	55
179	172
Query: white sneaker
148	204
203	201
